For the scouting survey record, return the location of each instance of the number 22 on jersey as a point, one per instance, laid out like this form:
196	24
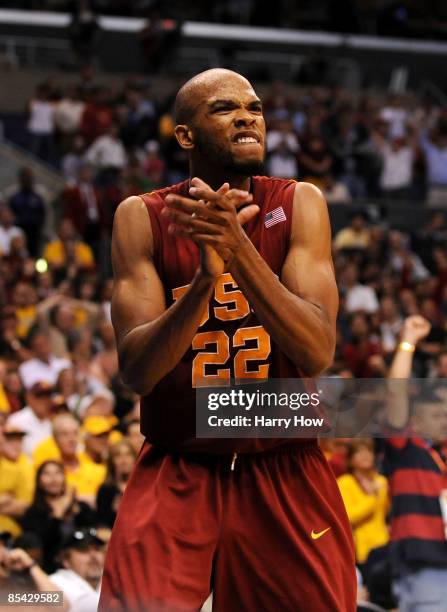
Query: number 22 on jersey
214	346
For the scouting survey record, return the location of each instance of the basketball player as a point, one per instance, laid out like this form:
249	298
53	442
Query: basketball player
228	275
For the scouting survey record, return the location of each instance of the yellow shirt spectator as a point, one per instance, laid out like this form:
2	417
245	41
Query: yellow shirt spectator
348	238
86	478
55	254
26	316
16	480
366	512
47	450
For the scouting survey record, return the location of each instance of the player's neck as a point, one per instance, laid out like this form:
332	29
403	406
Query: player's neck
215	178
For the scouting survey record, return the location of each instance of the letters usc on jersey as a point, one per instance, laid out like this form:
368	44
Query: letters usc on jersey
230	343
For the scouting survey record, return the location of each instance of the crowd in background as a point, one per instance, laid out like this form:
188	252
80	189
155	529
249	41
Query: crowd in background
407	18
368	145
69	427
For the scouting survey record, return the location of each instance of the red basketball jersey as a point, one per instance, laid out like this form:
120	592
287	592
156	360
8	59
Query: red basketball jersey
230	342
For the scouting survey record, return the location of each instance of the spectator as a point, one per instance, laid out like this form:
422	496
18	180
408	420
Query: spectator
432	345
43	366
97	116
68	249
68	113
20	573
16	479
154	165
97	430
31	544
57	319
24	306
73	160
403	261
82	474
99	403
355	236
282	148
18	264
34	419
358	352
85	207
390	325
82	557
416	465
346	148
28	207
8	230
108	155
397	167
314	160
334	191
358	297
70	389
41	124
441	365
13	390
435	151
121	461
54	511
396	116
365	494
11	347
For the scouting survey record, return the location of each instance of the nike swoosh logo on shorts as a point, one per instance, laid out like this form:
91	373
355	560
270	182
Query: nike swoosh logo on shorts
316	536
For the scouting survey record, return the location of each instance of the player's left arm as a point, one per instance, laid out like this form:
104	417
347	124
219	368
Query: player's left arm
298	310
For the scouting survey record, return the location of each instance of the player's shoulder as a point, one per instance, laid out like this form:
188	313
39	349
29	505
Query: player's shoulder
307	191
301	188
137	204
129	208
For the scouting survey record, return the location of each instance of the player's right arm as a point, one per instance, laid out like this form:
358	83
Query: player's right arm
151	339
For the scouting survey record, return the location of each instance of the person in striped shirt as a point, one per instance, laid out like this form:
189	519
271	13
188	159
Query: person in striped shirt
416	466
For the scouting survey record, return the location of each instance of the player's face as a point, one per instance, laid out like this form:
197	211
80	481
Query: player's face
229	127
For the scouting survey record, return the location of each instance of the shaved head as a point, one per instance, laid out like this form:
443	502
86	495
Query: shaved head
221	125
197	89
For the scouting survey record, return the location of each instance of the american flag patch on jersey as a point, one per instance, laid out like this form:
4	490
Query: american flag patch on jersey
274	216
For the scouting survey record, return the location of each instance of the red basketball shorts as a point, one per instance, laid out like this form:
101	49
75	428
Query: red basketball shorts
271	535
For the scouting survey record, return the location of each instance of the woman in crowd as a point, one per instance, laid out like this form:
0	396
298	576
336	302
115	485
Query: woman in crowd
365	494
121	461
55	511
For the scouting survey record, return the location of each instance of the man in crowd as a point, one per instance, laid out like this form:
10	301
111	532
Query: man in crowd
44	366
28	207
35	418
417	467
83	474
82	560
16	479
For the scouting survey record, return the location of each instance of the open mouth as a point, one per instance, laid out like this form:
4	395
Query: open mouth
246	138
